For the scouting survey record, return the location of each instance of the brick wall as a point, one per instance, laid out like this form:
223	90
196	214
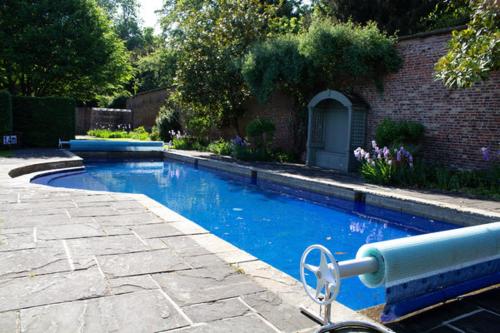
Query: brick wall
280	111
458	122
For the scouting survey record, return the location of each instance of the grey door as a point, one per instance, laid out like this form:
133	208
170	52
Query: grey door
334	155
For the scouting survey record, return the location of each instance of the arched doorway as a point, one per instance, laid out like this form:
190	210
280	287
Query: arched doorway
336	124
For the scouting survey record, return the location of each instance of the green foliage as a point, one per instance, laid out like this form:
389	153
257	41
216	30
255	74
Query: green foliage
5	112
60	48
380	172
210	39
285	157
220	147
473	53
43	121
120	101
188	143
157	70
450	13
167	122
392	133
137	134
347	52
392	16
275	64
483	183
124	15
260	132
343	53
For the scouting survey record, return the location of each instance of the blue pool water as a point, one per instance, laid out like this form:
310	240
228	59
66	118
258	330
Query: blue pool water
271	222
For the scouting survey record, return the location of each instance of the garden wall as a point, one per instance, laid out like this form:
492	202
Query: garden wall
145	107
458	122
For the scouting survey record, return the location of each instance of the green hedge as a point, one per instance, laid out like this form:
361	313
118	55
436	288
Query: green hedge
5	112
43	120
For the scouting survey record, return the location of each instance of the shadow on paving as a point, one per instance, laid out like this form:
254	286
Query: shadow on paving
479	313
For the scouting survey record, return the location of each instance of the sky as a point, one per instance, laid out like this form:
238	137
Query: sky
148	15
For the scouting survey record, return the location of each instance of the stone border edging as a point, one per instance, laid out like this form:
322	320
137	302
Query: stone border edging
62	163
401	203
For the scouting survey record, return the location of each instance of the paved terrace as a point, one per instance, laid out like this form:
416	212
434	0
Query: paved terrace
82	261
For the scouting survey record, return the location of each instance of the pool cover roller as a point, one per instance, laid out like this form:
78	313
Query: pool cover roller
115	145
410	258
422	270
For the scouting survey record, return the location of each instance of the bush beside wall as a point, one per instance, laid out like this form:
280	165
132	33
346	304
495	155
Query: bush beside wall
5	112
43	120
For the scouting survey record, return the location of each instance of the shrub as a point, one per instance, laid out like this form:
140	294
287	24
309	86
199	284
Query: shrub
328	54
220	147
5	112
260	131
167	121
395	133
345	52
285	157
187	143
137	134
43	120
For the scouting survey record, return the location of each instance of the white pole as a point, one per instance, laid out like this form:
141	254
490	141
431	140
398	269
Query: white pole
355	267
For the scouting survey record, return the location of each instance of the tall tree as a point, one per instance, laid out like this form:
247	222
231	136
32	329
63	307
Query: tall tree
210	38
60	47
123	14
402	16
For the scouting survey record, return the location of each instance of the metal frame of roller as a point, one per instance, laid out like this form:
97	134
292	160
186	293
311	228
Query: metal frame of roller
416	271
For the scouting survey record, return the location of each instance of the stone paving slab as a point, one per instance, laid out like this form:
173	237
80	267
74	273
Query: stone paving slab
212	311
32	262
138	263
30	291
205	285
251	323
280	314
145	311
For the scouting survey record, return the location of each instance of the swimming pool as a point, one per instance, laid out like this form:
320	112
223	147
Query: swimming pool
271	222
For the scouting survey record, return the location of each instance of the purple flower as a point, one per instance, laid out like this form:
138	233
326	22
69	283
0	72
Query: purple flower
359	153
238	141
374	144
486	153
386	152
